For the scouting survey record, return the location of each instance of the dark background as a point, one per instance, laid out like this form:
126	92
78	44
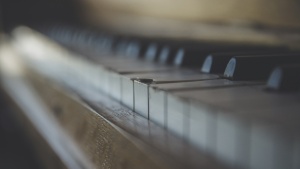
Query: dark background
37	12
16	149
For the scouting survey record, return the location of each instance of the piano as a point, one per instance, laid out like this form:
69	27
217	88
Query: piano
156	84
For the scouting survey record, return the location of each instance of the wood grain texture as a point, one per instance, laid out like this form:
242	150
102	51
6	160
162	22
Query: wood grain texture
113	137
103	144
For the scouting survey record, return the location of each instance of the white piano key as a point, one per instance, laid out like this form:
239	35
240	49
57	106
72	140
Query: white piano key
98	78
270	148
157	94
230	143
127	92
157	106
177	116
234	115
89	74
283	150
198	84
94	77
127	87
115	85
261	154
202	127
141	93
106	81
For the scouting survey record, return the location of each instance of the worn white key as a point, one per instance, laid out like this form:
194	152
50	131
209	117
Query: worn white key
158	92
177	116
231	139
141	90
127	82
115	85
202	126
127	92
127	85
242	126
157	106
270	148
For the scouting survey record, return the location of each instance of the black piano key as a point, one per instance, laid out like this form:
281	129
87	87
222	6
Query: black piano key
100	43
132	49
121	47
107	43
152	52
143	48
169	50
148	49
217	62
195	56
257	67
188	57
285	78
167	54
135	49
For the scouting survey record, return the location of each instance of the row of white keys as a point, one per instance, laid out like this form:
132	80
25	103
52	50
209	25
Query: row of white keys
243	126
141	85
158	100
158	95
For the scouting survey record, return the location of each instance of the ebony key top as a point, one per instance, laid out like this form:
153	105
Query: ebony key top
169	50
217	62
257	67
153	51
133	49
285	78
121	47
143	49
195	56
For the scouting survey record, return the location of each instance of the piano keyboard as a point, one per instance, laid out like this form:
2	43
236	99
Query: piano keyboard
236	102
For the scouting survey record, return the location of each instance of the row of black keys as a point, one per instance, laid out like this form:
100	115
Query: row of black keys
233	61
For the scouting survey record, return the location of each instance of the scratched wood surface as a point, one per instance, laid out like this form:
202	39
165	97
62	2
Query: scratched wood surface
113	137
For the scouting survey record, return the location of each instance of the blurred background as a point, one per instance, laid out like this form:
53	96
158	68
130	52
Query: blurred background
16	149
259	22
37	12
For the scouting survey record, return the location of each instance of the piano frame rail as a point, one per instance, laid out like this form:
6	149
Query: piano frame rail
97	132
